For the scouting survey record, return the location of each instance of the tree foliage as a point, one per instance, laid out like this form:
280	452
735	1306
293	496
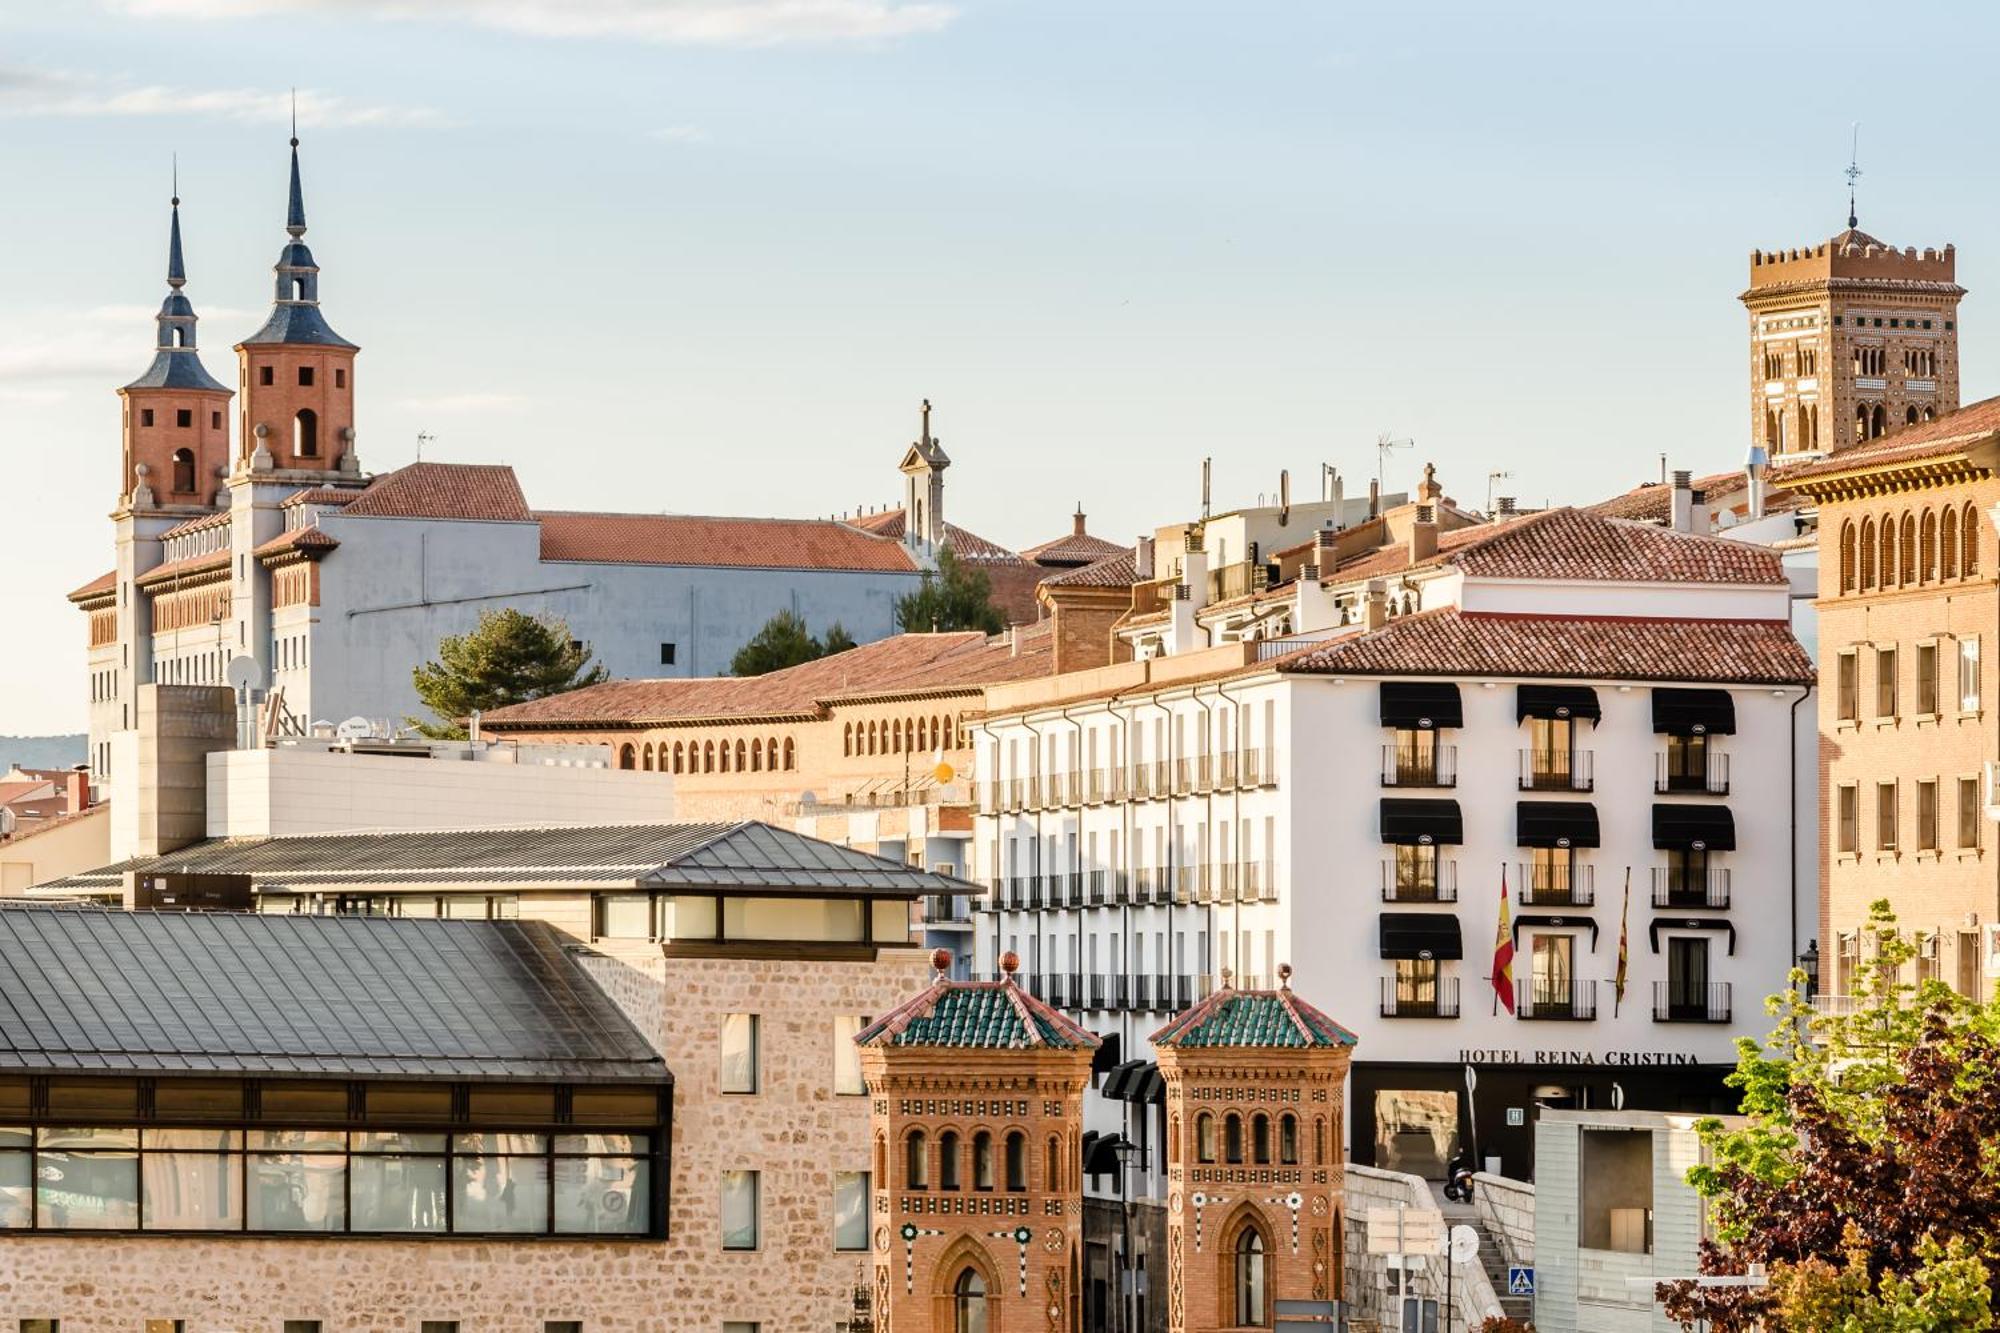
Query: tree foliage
784	641
1867	1177
508	658
954	596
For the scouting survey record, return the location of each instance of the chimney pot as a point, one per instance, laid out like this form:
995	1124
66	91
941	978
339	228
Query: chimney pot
1079	521
1376	613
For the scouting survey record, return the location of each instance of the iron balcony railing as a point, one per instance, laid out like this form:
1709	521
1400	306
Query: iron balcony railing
1690	887
1405	765
944	909
1257	769
1556	770
1405	882
1555	884
1558	1001
1100	881
1684	773
1677	1001
1433	998
1141	992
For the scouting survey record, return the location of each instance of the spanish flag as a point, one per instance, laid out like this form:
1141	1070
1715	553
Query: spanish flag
1503	951
1624	942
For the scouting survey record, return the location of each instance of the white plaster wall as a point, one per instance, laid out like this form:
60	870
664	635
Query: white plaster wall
1591	597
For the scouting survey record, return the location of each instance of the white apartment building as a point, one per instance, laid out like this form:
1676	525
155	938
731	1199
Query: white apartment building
1561	701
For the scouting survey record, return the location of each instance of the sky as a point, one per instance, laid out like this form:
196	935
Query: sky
707	256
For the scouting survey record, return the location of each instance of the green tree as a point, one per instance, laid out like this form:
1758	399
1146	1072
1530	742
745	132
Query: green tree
837	640
510	657
1866	1178
954	596
783	642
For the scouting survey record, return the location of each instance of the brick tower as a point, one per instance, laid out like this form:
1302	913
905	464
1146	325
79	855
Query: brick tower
976	1094
1253	1160
176	423
296	373
1849	339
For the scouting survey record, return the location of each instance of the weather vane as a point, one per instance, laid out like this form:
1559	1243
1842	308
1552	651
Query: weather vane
1853	173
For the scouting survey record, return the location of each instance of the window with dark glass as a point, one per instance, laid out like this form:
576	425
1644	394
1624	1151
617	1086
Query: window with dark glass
1687	763
1687	978
1017	1161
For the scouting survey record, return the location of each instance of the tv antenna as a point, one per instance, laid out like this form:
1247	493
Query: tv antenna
1853	173
424	437
1385	445
1492	477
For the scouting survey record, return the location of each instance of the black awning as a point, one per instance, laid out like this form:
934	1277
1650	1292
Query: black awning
1691	923
1555	824
1421	705
1100	1153
1541	922
1696	828
1570	701
1409	821
1694	712
1421	935
1110	1046
1118	1083
1151	1086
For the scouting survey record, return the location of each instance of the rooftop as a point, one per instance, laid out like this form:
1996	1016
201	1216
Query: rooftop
1953	433
1578	544
472	491
1264	1019
686	539
976	1015
84	990
967	546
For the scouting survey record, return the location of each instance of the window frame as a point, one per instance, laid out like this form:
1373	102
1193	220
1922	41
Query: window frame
752	1026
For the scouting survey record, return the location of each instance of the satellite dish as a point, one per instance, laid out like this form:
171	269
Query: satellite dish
355	729
244	673
1464	1244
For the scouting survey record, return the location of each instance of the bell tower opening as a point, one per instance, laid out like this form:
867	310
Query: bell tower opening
305	434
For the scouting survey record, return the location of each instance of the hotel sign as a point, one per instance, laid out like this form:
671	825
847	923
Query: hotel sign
1496	1056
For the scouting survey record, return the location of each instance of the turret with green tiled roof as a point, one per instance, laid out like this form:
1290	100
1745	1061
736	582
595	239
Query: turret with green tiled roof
1257	1018
976	1015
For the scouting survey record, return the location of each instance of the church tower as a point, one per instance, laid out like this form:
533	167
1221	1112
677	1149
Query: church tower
923	468
1254	1178
1849	340
296	373
976	1106
176	422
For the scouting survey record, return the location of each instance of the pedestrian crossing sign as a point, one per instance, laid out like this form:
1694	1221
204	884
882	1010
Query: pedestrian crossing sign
1520	1280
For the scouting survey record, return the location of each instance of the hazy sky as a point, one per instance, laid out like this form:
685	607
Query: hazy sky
707	255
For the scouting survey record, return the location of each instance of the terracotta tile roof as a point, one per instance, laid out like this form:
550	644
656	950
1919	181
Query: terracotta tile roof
982	1015
1114	571
174	569
1651	502
474	491
968	546
1450	642
323	495
1394	558
1072	548
97	587
219	519
1577	544
1949	434
906	663
298	539
1253	1018
683	539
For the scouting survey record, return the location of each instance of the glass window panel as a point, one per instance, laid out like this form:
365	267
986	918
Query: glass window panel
891	920
465	906
16	1138
297	1192
64	1136
194	1140
601	1195
500	1193
87	1190
299	1140
193	1191
625	916
693	919
850	1210
417	904
847	1080
614	1144
397	1193
739	1053
823	919
499	1143
739	1210
396	1141
15	1182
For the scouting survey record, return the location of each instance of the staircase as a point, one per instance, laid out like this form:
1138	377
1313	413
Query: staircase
1491	1257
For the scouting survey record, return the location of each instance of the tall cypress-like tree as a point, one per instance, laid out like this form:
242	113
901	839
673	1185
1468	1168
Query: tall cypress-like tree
510	657
955	596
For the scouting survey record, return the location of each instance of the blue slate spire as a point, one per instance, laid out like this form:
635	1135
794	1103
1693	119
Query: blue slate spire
295	317
295	213
176	269
176	363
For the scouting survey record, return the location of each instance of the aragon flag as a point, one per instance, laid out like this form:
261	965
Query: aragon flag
1503	951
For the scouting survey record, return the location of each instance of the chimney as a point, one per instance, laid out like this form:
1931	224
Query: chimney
1377	613
1424	534
1013	641
1507	503
1284	497
1077	530
1142	559
76	790
1702	521
1683	509
1755	467
1339	500
1375	499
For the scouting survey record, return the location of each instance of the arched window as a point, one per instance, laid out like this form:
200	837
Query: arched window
1867	552
1906	561
1288	1139
1878	422
916	1163
1232	1139
708	756
680	758
756	756
628	758
771	752
968	1303
1319	1140
741	751
184	471
1247	1281
1174	1142
1052	1166
1017	1161
947	1161
1930	414
1260	1140
1910	415
881	1157
1888	552
788	754
1928	550
647	762
305	434
847	740
982	1161
1968	542
1204	1137
1847	556
1948	545
871	738
722	757
1861	421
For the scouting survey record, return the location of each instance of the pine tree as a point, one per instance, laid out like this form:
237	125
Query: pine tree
783	642
837	640
508	658
955	596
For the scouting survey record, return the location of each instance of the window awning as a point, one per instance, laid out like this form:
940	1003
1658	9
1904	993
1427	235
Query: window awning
1421	822
1694	712
1540	922
1121	1078
1555	824
1421	935
1100	1152
1691	923
1695	828
1135	1081
1570	701
1421	705
1109	1053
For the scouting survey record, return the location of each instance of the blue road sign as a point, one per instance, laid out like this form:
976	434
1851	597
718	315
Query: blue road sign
1520	1280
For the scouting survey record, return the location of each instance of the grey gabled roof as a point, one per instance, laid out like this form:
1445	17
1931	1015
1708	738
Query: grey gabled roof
86	990
748	857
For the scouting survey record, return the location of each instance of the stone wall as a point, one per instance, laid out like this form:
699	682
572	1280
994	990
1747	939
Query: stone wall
1506	1209
1370	1280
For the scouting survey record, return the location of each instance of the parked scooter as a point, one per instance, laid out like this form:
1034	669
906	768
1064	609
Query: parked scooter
1458	1181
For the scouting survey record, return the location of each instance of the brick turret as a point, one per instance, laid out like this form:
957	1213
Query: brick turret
176	423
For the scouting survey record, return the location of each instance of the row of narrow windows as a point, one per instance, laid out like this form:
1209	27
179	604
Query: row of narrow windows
1871	420
1913	550
1257	1130
754	756
896	735
183	418
267	375
957	1170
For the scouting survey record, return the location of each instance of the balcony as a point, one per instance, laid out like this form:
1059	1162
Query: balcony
944	909
1034	791
1183	776
1141	991
1257	770
1555	884
1559	1001
1142	782
1556	770
1016	788
1260	882
1688	887
1691	1002
1436	998
1020	891
1683	774
1237	580
1095	1000
1100	882
1405	883
1225	769
1419	766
